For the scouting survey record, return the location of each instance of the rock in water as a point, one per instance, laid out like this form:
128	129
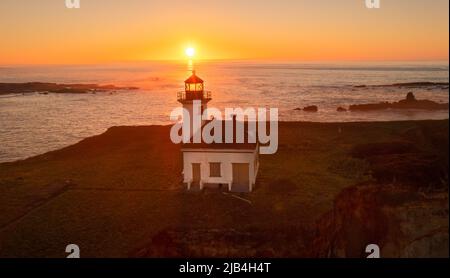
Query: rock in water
410	97
410	102
312	108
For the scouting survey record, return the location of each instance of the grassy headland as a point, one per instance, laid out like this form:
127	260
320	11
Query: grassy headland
120	194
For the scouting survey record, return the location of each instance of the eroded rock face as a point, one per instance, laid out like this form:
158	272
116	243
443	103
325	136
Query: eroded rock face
400	220
404	210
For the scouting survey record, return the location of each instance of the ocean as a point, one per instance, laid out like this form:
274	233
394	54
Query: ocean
34	123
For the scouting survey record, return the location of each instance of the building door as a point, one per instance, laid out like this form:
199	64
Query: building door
196	173
241	178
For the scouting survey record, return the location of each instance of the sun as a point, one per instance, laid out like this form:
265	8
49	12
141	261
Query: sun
190	52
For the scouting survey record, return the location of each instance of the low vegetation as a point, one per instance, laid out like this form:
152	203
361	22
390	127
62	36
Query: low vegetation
120	193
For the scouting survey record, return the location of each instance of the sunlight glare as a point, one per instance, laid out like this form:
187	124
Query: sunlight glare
190	52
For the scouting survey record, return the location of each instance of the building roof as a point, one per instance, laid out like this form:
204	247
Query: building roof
224	146
193	79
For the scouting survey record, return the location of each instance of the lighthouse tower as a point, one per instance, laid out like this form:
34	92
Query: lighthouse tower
217	164
194	99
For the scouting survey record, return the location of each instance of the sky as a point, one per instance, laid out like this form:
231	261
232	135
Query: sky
46	32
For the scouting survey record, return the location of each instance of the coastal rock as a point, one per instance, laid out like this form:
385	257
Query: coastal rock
417	84
312	108
404	211
410	97
410	102
401	221
45	88
441	85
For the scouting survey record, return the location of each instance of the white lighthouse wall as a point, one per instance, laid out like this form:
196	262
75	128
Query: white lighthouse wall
189	106
226	159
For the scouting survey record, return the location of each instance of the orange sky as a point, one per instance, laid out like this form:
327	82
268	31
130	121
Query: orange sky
45	32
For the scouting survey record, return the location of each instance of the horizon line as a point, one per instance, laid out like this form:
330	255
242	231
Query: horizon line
266	60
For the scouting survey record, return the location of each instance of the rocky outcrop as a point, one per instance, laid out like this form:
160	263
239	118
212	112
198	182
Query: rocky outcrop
404	210
419	84
31	87
410	102
403	222
312	108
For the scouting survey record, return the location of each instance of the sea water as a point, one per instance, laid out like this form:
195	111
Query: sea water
35	123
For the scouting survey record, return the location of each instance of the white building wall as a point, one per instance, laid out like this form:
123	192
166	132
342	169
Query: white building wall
189	106
226	159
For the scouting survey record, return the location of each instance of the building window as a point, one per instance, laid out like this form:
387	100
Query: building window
214	170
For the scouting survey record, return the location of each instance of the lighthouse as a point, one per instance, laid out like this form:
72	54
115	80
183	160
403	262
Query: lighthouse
194	93
224	166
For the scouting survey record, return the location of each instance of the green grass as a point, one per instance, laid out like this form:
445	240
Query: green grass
111	194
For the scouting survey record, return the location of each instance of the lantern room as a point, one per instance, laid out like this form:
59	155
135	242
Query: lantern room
194	90
193	84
